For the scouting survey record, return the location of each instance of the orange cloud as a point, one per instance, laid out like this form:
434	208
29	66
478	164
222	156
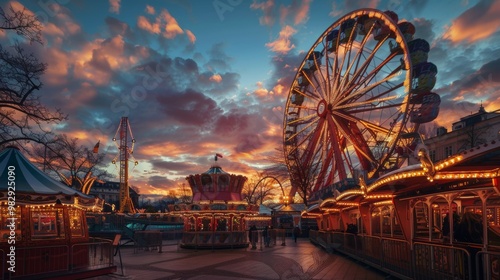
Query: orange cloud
114	6
298	12
19	7
172	28
279	89
216	78
301	15
190	36
57	71
150	10
160	148
267	7
165	24
477	23
95	60
144	24
283	44
52	30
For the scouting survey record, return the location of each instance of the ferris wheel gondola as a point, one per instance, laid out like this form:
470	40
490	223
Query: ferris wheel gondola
350	100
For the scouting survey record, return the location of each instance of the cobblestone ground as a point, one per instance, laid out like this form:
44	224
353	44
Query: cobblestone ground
301	261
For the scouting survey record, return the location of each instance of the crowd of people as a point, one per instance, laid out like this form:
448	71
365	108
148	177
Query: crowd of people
467	228
269	236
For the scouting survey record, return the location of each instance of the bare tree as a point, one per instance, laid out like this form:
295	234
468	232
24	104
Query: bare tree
474	136
259	190
185	193
74	164
300	176
22	115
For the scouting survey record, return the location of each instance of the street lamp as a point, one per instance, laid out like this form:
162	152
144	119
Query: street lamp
285	200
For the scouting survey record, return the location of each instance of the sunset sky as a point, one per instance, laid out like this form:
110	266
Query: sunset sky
201	77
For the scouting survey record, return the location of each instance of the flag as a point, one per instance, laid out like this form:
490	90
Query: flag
96	147
217	156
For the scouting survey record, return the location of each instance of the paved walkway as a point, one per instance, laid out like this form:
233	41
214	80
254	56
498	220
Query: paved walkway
301	260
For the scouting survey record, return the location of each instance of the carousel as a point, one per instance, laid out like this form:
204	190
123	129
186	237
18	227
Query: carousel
218	216
43	230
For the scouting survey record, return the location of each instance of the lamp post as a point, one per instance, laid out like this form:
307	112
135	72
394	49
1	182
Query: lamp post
285	200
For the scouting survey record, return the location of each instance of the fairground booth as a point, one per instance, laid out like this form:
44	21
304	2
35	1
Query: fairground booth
217	217
43	230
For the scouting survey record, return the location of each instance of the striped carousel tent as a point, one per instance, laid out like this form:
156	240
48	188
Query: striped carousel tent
32	186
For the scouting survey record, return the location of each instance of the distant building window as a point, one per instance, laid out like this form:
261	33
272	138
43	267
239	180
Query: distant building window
448	151
432	155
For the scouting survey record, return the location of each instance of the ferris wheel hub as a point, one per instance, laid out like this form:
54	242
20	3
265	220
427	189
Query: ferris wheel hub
322	108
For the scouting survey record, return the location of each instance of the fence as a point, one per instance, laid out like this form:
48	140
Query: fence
236	239
148	240
37	261
423	261
488	265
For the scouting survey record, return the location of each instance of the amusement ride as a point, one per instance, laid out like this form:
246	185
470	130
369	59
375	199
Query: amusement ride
126	154
357	100
380	193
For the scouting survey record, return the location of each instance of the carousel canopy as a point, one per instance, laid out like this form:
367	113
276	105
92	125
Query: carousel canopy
32	186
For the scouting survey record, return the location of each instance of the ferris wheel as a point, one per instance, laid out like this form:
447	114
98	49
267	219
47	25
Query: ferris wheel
362	88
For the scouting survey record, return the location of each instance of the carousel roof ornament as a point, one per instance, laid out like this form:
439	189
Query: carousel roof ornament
32	186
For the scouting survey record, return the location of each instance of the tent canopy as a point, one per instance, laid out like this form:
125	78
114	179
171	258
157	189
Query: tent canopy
32	185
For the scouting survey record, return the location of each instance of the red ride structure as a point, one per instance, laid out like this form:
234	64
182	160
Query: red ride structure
126	205
217	217
415	208
357	91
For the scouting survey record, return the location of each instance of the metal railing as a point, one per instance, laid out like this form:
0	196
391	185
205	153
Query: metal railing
3	266
423	261
487	265
235	239
59	259
217	239
92	255
147	240
435	261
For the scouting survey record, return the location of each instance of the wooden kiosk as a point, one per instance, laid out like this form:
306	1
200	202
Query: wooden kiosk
43	230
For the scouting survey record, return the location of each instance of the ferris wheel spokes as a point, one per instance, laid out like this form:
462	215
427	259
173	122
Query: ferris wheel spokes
350	100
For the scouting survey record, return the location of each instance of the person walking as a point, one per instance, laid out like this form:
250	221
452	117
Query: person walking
265	236
296	233
272	235
253	236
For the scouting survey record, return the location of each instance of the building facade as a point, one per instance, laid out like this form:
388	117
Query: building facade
470	131
110	193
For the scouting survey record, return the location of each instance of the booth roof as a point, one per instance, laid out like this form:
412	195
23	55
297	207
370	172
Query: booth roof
27	178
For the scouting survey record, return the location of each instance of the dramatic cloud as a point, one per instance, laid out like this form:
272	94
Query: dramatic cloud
165	24
190	108
216	78
295	13
191	36
114	6
477	23
150	10
298	11
424	29
267	8
193	84
117	27
284	43
144	24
